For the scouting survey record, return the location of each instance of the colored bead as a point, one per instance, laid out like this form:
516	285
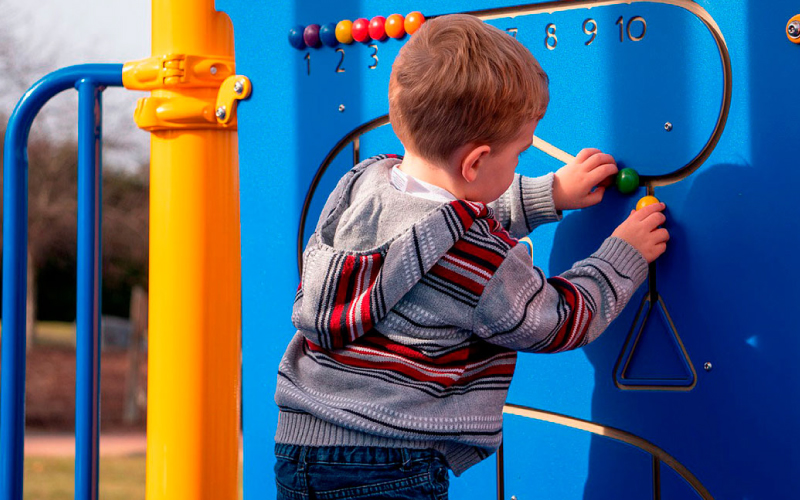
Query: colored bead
647	200
413	21
327	34
377	28
311	35
627	180
360	30
296	37
344	31
394	26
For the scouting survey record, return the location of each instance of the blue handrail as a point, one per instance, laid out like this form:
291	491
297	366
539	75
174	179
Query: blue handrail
90	80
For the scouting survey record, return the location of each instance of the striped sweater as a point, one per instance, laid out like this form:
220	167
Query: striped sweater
410	313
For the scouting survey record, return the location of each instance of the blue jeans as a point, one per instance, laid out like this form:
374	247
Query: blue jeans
359	472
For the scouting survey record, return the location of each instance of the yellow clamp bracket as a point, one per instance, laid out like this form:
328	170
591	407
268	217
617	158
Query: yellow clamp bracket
184	96
793	29
233	89
177	70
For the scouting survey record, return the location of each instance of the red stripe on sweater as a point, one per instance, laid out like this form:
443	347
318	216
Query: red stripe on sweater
456	278
359	357
340	302
571	333
482	253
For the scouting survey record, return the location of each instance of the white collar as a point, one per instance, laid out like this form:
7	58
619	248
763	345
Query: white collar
406	183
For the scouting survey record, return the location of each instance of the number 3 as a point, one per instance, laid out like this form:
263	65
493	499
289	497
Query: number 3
374	55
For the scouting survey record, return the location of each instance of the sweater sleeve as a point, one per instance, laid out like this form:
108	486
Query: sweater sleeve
522	310
528	203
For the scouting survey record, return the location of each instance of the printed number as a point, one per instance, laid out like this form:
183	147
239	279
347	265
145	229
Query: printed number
551	35
512	32
308	62
339	68
627	28
644	28
374	55
590	31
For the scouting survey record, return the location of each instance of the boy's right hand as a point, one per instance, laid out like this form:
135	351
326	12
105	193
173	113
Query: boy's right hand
641	231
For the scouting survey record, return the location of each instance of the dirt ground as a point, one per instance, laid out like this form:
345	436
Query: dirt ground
50	390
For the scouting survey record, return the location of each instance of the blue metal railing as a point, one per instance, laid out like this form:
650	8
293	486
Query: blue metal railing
89	80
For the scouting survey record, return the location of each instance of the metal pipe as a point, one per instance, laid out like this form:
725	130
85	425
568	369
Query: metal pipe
15	242
87	383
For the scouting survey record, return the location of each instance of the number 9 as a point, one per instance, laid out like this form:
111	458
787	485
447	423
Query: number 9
592	31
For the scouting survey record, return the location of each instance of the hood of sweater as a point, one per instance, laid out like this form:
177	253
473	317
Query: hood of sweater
372	244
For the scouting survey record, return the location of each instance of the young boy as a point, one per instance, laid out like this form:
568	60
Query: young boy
415	295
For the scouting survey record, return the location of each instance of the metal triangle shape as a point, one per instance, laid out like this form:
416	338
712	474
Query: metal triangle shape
654	357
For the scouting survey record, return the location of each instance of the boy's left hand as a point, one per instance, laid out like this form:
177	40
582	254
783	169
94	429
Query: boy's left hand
583	182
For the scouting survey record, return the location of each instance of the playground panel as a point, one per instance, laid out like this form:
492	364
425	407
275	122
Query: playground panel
644	81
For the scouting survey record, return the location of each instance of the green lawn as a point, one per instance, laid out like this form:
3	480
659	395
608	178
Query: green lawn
121	478
55	333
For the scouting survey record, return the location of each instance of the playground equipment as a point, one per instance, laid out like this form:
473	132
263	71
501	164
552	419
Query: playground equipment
689	394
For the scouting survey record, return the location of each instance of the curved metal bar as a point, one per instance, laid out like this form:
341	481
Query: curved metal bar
332	154
15	239
694	9
613	433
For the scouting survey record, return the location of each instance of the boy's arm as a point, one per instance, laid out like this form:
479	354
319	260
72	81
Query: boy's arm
522	310
528	203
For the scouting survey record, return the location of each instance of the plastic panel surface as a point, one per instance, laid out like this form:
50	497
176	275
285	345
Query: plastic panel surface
727	279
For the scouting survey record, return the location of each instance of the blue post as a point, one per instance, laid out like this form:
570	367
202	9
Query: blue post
15	243
87	385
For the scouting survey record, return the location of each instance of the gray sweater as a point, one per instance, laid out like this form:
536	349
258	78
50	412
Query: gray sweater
410	313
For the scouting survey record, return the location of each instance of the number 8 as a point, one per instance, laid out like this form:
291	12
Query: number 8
551	35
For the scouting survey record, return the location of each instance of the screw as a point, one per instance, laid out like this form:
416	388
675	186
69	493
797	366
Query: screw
238	86
513	497
341	108
708	366
793	29
213	70
668	127
221	112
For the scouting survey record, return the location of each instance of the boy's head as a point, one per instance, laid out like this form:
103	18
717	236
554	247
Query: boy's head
461	81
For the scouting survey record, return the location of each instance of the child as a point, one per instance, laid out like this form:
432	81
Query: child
415	295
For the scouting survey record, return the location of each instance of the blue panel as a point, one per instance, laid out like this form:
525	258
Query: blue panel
545	460
674	487
727	277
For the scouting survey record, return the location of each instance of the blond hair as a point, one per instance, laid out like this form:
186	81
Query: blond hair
458	81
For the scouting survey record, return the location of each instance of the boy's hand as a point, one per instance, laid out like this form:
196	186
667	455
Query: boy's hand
641	231
583	182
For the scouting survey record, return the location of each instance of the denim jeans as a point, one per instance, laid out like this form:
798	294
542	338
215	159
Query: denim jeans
359	472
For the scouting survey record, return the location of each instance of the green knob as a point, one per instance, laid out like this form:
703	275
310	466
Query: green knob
627	180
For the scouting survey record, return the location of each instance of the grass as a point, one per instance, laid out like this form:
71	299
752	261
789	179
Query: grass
121	478
55	333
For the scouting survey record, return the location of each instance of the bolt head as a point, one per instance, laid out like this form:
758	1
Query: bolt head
793	29
213	70
708	366
238	86
668	127
221	112
341	108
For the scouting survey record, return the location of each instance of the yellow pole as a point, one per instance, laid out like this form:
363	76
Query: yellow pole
194	325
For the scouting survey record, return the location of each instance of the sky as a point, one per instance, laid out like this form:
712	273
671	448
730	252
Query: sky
60	33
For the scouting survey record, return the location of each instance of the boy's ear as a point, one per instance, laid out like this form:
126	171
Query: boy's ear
472	160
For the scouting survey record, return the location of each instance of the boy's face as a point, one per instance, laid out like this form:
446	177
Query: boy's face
497	171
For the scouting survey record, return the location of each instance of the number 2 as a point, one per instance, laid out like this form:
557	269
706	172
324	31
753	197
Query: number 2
339	68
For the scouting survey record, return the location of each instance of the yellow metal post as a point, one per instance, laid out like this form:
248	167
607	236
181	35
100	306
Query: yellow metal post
194	322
